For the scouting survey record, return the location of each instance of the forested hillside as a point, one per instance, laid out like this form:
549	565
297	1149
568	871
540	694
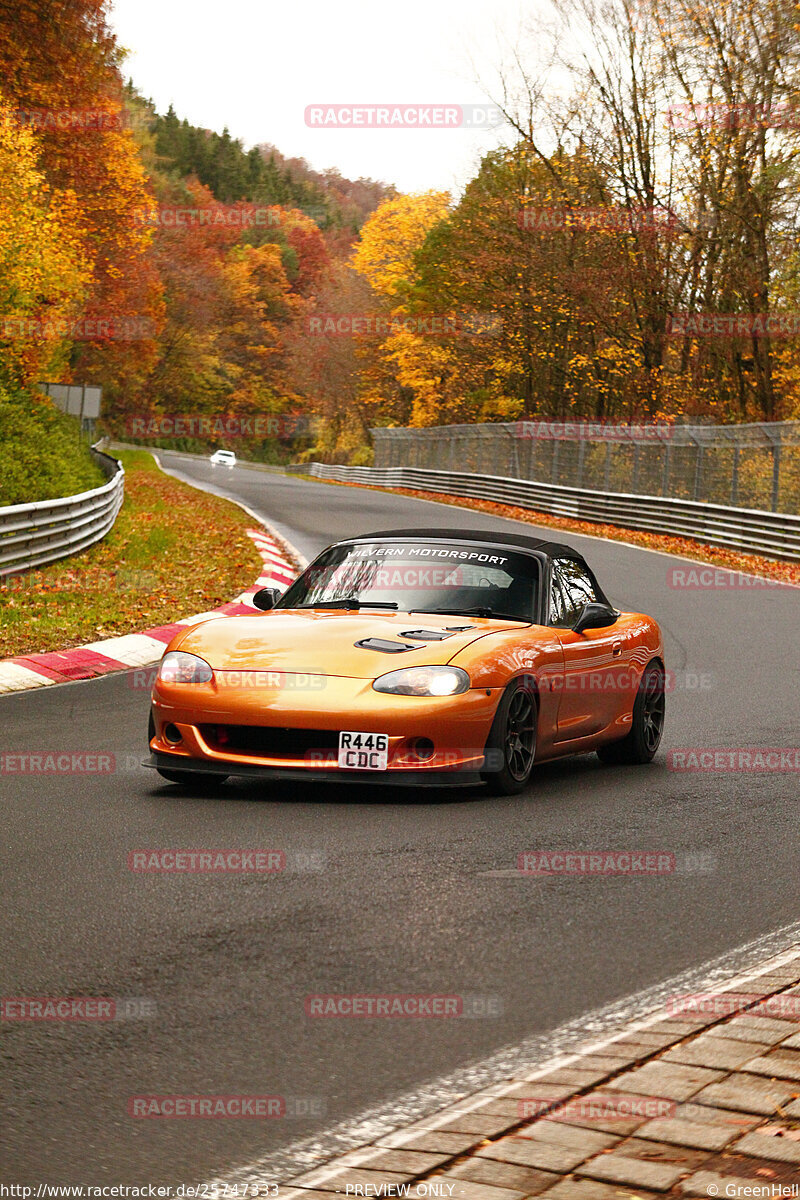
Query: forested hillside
629	253
262	174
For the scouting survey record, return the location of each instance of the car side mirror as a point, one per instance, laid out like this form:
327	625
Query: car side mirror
266	598
594	616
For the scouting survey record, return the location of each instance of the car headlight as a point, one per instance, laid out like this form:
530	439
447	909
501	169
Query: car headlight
180	667
424	681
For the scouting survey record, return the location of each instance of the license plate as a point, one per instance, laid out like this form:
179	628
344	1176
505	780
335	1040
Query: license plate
364	751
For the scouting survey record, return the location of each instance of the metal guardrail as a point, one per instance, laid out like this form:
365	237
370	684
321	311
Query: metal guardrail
32	535
776	535
747	466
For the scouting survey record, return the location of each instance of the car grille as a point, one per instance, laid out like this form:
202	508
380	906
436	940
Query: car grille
268	741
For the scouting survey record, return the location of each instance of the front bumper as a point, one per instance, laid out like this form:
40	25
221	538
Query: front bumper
396	778
312	713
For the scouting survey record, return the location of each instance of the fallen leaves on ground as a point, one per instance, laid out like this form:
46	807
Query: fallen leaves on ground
173	551
732	560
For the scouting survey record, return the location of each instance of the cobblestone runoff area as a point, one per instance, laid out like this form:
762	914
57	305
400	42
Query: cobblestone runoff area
699	1099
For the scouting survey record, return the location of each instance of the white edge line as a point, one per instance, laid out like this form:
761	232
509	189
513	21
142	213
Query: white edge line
273	533
475	1100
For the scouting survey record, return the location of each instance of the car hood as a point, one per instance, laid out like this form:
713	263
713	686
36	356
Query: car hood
324	643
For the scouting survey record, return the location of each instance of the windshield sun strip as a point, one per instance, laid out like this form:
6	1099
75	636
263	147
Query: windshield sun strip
535	559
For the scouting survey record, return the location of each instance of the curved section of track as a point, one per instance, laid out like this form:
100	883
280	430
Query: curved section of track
385	892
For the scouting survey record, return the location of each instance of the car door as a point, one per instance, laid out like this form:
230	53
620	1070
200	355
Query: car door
594	661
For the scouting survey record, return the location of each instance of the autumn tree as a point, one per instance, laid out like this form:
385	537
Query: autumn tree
548	286
385	256
59	72
336	373
737	143
390	239
686	109
44	274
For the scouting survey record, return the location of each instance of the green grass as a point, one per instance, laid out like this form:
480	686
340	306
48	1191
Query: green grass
174	551
41	454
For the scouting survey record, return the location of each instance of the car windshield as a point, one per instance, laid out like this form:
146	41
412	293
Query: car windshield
424	577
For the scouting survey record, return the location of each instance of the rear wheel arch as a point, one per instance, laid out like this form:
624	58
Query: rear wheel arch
641	742
657	662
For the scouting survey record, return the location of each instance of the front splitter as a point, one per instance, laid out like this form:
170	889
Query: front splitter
415	779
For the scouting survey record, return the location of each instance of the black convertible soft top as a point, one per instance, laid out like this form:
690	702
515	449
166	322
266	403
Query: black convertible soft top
551	549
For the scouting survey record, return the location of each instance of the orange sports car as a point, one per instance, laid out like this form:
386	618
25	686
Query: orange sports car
433	656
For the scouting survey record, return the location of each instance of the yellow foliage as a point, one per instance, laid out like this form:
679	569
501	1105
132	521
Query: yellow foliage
392	236
44	274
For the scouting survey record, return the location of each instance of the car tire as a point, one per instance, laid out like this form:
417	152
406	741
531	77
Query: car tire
647	724
512	740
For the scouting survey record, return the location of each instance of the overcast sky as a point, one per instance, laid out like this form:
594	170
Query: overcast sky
255	66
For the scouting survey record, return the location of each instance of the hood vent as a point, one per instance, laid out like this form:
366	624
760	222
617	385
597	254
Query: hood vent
428	635
384	646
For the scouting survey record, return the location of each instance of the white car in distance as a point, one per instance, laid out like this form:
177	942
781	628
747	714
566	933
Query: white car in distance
223	458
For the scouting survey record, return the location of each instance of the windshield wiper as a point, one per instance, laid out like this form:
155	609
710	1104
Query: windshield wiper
474	612
349	602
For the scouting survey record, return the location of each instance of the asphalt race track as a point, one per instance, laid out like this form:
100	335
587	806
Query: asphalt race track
386	891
